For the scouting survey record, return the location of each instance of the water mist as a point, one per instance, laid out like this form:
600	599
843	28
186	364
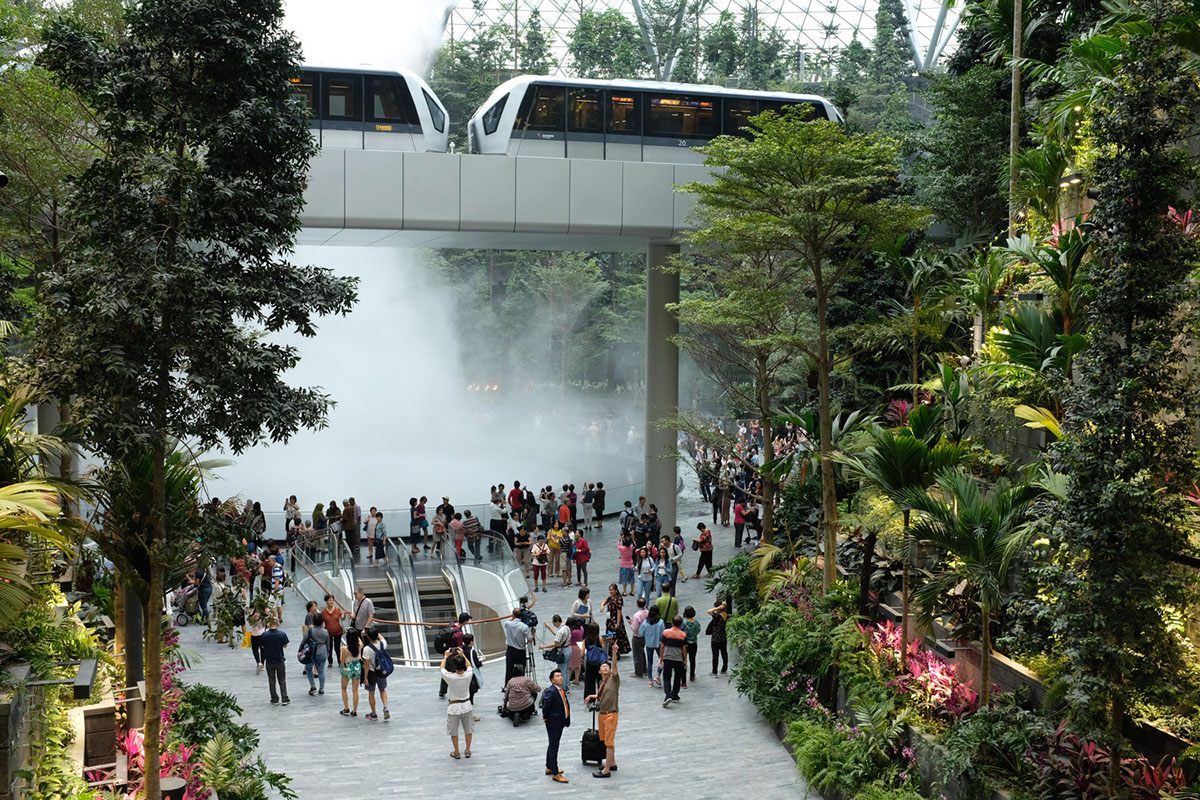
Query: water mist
408	422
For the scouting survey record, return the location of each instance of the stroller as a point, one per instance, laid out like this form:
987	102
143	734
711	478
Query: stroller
186	603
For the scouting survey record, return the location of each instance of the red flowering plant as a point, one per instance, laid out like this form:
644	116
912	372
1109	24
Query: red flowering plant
177	759
929	685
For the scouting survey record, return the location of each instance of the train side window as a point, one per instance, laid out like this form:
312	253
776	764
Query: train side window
811	112
623	113
738	112
306	87
491	117
341	97
435	113
548	107
391	101
681	116
584	105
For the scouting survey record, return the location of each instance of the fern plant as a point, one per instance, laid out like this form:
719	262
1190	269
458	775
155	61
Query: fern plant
225	771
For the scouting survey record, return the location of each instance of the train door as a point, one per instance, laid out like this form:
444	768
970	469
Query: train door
585	123
623	126
392	121
540	128
341	111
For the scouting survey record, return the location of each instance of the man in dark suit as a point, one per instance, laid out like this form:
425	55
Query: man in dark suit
556	714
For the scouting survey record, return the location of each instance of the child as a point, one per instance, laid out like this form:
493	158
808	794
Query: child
380	538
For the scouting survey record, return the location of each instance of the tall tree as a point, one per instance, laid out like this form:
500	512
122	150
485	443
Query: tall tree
153	322
744	322
965	149
721	47
533	51
666	27
1128	442
606	45
817	196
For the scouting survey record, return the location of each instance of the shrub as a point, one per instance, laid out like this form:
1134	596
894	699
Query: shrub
203	713
734	580
993	746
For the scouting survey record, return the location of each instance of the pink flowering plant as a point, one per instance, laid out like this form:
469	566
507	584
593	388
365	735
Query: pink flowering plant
930	685
193	718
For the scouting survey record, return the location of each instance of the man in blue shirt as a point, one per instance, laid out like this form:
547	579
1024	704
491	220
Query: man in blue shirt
273	643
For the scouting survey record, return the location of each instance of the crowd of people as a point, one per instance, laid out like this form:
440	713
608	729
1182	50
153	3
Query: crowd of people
728	477
553	535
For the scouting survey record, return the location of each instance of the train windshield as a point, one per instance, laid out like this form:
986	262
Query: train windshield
435	113
491	117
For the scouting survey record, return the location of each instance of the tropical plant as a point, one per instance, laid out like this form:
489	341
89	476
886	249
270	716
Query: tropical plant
809	193
1059	260
993	747
203	713
225	770
894	463
990	270
1128	435
982	534
765	564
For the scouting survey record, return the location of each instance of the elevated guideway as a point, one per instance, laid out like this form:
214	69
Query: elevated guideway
374	198
392	199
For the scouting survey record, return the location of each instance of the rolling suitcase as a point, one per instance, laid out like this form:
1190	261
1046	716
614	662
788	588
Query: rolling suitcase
593	748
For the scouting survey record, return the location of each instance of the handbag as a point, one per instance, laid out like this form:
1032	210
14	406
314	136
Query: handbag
553	654
245	638
695	545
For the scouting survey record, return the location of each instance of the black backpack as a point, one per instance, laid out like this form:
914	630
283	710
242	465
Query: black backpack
444	640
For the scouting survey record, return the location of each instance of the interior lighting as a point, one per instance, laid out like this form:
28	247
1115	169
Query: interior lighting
1067	181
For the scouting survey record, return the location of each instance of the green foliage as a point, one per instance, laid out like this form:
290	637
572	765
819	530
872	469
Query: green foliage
858	761
965	146
811	201
204	713
992	746
788	641
735	580
605	45
225	769
1128	433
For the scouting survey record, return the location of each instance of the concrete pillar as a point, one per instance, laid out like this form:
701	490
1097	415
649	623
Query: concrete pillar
662	382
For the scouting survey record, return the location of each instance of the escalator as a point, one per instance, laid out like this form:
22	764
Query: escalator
437	606
377	586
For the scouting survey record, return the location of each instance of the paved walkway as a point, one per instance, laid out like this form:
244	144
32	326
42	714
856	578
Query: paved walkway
713	744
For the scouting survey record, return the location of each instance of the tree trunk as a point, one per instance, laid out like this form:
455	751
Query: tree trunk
829	509
1014	117
985	666
904	631
914	358
770	485
154	625
1116	737
865	572
120	633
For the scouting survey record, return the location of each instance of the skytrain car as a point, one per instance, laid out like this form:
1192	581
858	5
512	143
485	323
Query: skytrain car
535	115
373	109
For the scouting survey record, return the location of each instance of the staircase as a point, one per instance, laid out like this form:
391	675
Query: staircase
437	605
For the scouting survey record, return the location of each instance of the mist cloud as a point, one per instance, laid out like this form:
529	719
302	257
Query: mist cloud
379	33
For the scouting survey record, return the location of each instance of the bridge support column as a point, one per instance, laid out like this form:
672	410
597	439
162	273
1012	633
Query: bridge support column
662	382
